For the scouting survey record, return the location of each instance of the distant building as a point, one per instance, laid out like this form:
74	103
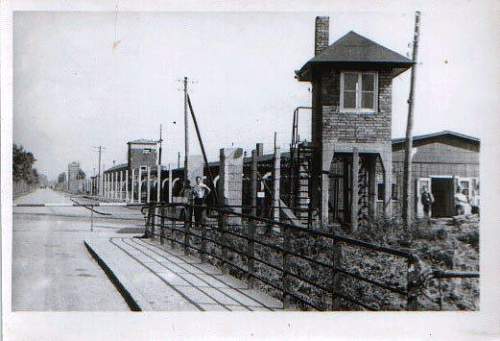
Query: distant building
142	153
74	177
444	162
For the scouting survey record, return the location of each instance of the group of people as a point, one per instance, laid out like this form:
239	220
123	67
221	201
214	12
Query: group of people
196	196
462	201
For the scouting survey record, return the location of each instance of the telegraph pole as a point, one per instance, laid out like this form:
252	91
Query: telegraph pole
159	152
99	149
186	132
407	210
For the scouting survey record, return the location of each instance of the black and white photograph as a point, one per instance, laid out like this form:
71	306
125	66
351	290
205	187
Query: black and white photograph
272	162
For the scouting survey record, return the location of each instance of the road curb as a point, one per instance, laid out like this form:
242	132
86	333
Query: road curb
129	299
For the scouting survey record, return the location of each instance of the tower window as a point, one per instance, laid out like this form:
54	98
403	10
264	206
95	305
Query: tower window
358	91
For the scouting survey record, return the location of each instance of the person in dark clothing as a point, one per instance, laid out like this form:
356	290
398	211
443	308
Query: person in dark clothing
427	200
199	191
186	212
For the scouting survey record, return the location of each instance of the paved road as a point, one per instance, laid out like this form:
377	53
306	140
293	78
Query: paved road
52	270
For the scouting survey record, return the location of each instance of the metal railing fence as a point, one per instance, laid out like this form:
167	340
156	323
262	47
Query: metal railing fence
166	222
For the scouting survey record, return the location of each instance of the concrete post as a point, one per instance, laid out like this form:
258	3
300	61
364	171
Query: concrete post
113	185
132	186
158	184
231	180
120	188
126	185
139	186
387	161
325	189
276	183
116	185
253	176
372	187
355	189
169	184
148	189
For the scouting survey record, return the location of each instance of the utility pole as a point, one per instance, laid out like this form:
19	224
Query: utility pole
99	186
407	210
186	132
159	152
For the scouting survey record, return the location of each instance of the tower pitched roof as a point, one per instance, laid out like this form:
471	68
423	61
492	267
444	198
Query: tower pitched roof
355	50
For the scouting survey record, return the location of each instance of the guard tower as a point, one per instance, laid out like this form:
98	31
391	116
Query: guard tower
351	124
142	153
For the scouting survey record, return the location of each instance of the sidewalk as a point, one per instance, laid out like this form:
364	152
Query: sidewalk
152	277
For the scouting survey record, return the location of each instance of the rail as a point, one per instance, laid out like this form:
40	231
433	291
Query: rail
442	275
237	248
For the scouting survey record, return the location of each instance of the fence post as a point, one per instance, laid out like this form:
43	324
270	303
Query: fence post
148	189
412	285
251	253
222	238
276	183
203	246
153	220
126	186
158	184
187	225
139	186
162	225
148	221
254	182
286	284
337	264
172	233
169	184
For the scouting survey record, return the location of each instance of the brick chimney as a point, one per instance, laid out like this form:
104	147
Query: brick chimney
321	34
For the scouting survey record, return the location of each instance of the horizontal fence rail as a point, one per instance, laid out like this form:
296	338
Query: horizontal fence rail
444	275
234	239
94	204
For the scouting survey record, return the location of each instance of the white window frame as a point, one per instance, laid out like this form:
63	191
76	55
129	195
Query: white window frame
359	93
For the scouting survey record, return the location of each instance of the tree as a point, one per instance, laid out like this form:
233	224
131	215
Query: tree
61	178
22	165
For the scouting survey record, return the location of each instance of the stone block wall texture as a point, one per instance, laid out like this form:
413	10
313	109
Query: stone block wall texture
231	176
335	126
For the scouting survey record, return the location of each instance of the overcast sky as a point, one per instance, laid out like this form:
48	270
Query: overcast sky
88	79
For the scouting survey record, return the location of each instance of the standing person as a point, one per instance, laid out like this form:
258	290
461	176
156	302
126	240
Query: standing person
427	200
186	211
462	202
200	192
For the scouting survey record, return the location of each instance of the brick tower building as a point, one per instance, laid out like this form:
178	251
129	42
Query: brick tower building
351	124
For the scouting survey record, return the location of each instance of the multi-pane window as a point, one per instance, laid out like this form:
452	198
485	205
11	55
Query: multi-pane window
358	91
